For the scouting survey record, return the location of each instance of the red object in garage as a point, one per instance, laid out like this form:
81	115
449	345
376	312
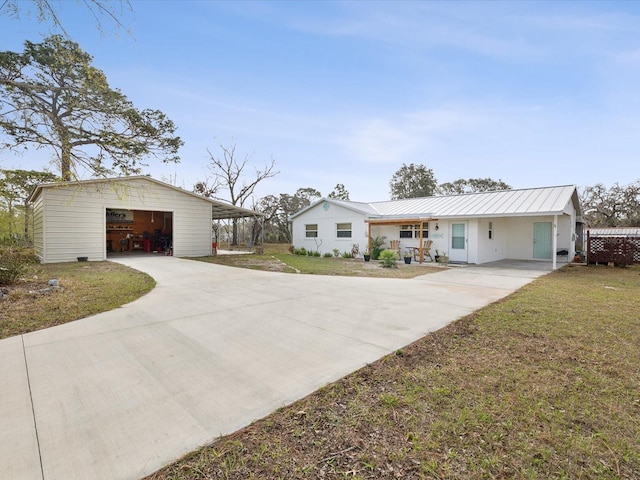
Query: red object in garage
146	244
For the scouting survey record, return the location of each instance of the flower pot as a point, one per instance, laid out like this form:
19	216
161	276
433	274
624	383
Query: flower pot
367	257
407	260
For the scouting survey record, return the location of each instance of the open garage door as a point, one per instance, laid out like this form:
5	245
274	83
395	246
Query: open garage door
138	231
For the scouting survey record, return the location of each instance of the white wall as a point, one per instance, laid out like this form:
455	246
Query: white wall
326	219
494	248
73	217
520	241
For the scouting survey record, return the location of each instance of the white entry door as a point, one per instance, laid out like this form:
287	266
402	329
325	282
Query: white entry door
458	242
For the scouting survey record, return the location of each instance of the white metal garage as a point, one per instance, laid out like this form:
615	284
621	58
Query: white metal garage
91	217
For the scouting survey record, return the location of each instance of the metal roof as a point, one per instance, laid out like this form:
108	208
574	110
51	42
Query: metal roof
615	231
531	201
360	207
219	210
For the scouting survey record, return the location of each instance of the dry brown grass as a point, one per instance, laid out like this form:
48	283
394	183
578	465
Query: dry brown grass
87	288
543	384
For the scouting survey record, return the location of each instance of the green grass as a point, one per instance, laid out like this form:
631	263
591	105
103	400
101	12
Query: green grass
87	289
544	384
277	258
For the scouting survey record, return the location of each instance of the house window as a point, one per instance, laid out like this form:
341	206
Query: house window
343	230
425	231
490	230
406	231
311	230
413	231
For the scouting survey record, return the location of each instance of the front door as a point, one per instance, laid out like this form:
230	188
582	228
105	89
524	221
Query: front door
542	240
458	245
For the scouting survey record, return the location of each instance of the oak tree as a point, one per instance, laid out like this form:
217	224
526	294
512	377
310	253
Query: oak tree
472	185
618	206
412	181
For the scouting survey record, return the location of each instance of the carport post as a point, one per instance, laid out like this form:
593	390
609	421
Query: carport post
554	248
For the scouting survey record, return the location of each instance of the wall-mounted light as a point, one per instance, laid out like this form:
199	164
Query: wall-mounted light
151	217
437	227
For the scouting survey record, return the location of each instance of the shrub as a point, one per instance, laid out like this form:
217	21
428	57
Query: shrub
14	261
310	253
347	255
328	255
376	246
316	253
336	252
389	258
300	251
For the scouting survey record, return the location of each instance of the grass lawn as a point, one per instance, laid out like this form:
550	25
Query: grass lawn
543	384
282	261
87	288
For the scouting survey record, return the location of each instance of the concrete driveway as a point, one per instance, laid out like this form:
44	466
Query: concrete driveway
211	348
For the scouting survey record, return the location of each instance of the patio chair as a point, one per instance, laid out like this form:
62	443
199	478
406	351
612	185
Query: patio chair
426	251
395	246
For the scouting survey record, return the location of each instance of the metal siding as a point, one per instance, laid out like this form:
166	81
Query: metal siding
38	231
75	217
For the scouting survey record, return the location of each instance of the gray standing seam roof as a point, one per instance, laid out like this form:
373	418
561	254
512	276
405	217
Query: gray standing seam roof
533	201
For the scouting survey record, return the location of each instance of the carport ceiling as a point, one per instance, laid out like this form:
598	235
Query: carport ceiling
222	211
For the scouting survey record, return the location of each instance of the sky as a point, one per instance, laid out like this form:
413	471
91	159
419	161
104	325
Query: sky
532	93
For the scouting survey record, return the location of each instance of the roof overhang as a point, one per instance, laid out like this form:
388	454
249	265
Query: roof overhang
222	211
219	210
400	221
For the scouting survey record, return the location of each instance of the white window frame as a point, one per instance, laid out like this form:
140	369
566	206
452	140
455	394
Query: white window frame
311	232
342	228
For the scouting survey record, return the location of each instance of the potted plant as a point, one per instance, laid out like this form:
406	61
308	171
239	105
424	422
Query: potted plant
442	258
437	255
366	255
408	254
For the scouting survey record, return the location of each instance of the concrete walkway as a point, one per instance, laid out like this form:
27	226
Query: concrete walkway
211	348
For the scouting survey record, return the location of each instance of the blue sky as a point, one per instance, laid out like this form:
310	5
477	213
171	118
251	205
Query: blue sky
534	93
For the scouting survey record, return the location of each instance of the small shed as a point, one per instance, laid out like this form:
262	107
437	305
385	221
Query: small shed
95	218
620	245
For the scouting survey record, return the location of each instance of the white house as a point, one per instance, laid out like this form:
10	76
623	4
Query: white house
527	224
93	218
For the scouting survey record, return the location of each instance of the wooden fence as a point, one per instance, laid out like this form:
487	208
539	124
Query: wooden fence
622	250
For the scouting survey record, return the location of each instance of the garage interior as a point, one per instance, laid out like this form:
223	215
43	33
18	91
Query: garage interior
143	231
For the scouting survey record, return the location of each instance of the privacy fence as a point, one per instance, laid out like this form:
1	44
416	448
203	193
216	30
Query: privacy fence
619	249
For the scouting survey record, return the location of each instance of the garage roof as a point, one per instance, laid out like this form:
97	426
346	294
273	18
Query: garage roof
219	210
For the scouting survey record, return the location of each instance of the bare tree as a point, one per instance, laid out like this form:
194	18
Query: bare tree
231	174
